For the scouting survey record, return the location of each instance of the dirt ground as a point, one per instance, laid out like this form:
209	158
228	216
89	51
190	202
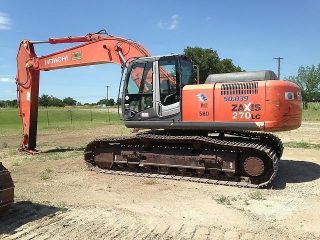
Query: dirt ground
57	197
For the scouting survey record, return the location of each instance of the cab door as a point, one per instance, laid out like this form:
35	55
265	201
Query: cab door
168	86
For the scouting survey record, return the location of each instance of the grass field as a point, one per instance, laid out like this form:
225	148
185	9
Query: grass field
311	115
52	118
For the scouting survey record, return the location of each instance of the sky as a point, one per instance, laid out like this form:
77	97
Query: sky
249	32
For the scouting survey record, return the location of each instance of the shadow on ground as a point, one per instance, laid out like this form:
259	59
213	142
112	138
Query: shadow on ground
61	150
23	212
292	171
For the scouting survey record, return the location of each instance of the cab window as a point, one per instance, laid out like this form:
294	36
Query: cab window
139	94
169	84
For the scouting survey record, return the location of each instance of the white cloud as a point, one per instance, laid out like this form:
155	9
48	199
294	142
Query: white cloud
7	79
171	24
5	22
174	21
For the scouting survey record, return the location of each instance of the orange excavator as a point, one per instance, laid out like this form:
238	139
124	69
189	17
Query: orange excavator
214	133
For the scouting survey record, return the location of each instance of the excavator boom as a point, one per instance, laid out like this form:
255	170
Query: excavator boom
96	49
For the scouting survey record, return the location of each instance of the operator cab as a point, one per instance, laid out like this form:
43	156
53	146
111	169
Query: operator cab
153	86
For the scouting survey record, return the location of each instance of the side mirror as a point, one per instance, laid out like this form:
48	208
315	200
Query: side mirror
196	74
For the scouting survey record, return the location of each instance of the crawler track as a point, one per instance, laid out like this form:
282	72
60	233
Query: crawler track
226	159
6	190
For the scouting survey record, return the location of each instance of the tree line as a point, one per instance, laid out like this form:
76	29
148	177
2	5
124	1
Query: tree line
8	103
308	79
51	101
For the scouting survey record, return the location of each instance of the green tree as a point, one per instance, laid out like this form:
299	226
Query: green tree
226	66
109	102
56	102
317	97
209	62
101	101
8	103
308	79
44	100
69	101
50	101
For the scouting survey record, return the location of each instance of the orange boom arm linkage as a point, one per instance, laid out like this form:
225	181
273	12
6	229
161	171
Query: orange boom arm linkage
96	49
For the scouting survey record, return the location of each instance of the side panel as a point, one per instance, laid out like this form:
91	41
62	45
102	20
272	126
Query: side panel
240	102
197	103
225	102
269	105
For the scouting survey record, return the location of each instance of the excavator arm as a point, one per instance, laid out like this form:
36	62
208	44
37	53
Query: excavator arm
96	48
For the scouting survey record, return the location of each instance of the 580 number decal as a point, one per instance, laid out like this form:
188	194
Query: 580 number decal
203	113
